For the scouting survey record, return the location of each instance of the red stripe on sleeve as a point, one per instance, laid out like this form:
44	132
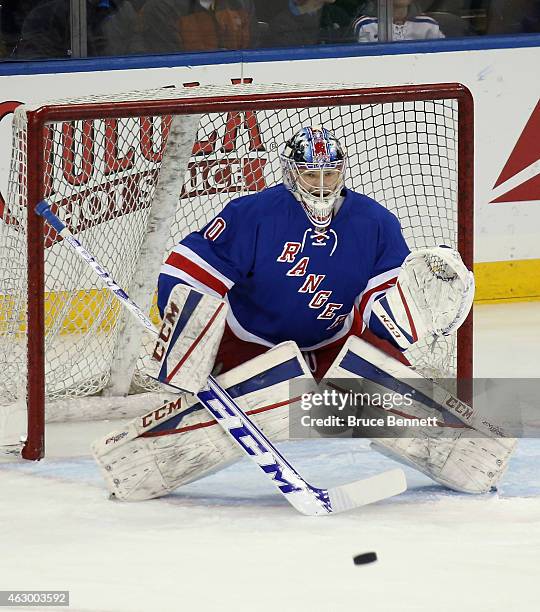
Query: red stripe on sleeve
198	273
368	294
408	312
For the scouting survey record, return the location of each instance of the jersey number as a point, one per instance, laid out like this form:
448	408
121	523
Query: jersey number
217	227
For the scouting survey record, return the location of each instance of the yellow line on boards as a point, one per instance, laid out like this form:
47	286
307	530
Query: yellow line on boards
69	312
80	310
507	281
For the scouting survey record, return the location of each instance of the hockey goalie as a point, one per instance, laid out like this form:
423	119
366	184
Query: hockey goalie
300	280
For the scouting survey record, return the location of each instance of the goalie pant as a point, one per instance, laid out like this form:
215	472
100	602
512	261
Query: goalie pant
233	352
192	343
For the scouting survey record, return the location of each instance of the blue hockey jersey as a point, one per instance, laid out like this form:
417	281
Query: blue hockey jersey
284	280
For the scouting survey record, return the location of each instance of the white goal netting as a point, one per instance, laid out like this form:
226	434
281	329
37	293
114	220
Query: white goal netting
100	173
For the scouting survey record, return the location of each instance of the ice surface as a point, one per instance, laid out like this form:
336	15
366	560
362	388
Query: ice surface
229	542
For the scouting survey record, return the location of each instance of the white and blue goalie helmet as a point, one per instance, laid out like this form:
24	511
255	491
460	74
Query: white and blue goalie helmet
314	164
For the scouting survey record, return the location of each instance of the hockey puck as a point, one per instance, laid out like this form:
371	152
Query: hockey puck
364	558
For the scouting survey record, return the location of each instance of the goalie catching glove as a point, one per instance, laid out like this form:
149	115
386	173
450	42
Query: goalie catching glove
433	295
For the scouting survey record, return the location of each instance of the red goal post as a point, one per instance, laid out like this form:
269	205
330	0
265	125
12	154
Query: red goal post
104	162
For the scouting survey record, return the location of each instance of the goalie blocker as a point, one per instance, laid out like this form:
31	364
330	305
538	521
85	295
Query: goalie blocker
188	341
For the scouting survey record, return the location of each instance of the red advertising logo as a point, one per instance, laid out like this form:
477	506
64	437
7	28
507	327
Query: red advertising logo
525	153
95	172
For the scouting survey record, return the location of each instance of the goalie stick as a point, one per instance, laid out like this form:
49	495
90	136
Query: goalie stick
306	498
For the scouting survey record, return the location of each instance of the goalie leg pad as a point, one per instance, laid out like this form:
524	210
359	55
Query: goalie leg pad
13	418
177	444
186	348
449	451
455	460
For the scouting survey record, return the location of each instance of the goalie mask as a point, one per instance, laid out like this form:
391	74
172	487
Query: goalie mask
314	166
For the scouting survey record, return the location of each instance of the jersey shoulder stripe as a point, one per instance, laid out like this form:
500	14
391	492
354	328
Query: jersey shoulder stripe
202	263
180	262
185	264
362	21
170	276
424	19
375	286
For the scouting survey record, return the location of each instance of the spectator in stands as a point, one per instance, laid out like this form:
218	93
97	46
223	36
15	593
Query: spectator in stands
111	29
292	22
12	16
337	18
516	17
408	24
168	26
531	18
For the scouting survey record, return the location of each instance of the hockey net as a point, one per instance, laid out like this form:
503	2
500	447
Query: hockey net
132	174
